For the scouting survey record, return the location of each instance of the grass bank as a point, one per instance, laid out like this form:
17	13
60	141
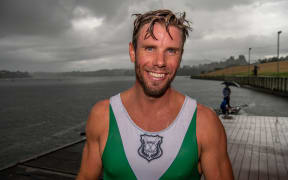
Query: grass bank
265	69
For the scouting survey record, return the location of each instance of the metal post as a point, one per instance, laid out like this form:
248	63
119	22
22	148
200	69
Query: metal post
279	32
249	65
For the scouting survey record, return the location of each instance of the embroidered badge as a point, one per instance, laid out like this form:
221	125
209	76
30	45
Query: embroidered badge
150	147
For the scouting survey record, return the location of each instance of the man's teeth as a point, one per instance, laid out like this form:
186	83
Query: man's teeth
157	75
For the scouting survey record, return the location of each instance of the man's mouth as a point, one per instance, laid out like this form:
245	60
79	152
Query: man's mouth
157	75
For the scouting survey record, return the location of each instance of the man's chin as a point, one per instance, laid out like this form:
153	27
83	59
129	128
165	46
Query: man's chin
153	89
155	93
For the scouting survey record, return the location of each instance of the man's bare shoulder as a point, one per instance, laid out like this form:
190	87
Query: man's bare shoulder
98	120
100	108
206	114
208	124
212	143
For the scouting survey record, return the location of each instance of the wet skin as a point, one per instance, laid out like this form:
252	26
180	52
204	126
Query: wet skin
157	61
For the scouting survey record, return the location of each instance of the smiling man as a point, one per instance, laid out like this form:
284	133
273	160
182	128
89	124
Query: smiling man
151	131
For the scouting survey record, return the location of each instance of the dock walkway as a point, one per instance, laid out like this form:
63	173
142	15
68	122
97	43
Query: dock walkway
257	147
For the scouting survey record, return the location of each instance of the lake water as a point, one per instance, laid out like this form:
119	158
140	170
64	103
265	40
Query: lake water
37	115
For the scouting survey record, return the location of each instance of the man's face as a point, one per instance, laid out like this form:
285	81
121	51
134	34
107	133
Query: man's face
157	61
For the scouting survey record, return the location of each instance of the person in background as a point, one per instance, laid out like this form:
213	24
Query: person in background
226	94
255	70
223	107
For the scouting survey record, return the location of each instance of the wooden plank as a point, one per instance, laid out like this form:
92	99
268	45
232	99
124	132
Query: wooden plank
257	131
284	128
282	159
272	165
245	129
237	162
28	173
233	140
281	169
263	161
230	128
234	147
268	130
254	168
285	131
252	128
64	160
246	162
234	128
229	125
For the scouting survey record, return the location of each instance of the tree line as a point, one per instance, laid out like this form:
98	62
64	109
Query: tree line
214	66
186	70
208	67
16	74
272	59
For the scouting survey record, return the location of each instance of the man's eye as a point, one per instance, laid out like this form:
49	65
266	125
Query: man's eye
172	51
149	48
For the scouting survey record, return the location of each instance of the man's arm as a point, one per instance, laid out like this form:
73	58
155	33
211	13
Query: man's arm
91	164
214	160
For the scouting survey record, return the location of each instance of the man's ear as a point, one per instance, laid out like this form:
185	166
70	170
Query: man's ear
182	52
132	52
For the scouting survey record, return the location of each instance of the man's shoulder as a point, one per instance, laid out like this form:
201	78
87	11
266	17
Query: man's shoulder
205	113
100	107
207	119
98	119
208	124
99	111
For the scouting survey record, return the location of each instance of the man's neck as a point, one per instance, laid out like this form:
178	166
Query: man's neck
149	102
150	113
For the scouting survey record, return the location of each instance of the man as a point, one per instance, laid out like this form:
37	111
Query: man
151	131
255	70
226	93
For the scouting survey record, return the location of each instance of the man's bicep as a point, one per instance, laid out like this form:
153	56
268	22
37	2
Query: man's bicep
215	162
91	164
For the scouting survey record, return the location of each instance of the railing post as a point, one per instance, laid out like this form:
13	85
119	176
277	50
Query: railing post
285	85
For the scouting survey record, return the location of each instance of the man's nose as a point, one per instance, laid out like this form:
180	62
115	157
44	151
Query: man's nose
160	60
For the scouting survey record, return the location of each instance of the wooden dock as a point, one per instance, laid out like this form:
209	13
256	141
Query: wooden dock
257	147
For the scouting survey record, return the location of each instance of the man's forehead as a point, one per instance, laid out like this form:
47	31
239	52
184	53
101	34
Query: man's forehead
158	29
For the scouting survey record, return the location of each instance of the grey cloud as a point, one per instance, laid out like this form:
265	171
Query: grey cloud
87	52
111	10
220	49
141	6
44	40
47	51
39	29
32	17
216	4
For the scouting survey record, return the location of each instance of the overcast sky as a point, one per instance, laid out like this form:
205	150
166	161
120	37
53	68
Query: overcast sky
87	35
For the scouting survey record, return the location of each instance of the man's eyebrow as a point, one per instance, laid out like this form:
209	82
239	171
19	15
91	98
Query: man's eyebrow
175	48
148	45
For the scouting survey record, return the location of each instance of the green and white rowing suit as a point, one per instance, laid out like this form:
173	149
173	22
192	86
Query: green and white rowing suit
132	153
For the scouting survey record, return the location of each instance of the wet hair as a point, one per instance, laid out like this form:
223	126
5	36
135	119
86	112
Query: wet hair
163	16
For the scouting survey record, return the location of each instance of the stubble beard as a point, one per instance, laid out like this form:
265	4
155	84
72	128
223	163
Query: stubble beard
149	91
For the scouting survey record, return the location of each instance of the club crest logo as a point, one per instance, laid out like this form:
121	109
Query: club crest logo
150	147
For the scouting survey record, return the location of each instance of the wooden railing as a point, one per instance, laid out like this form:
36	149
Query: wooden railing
276	85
